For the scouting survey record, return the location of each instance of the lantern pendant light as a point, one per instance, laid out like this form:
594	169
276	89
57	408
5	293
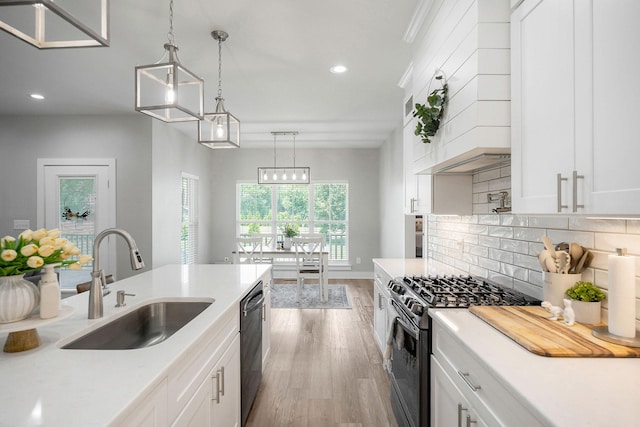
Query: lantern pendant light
167	90
219	129
46	24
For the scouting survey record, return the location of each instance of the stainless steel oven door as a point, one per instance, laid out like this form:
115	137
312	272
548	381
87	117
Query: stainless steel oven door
405	367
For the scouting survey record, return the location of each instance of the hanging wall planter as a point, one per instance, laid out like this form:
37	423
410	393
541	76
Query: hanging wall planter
430	113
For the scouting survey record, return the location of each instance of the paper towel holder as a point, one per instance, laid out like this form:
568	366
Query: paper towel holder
602	332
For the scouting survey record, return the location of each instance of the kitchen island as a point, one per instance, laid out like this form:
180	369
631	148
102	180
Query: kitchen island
50	386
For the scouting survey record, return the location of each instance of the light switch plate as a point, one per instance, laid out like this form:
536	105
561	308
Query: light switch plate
21	224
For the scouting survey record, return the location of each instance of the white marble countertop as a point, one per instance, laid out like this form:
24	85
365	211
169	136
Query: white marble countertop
396	267
48	386
566	392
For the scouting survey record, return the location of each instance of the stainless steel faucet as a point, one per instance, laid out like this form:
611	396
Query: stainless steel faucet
98	282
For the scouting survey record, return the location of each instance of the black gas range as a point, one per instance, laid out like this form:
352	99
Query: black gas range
411	299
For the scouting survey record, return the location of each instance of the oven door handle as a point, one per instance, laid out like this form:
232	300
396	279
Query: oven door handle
409	329
405	325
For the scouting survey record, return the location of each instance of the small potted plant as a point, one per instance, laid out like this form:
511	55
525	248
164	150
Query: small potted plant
586	302
289	230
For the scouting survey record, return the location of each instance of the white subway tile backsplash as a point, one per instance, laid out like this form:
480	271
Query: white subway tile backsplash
529	234
514	220
492	242
633	226
488	175
502	256
550	221
501	232
489	219
610	241
514	246
504	248
604	225
500	184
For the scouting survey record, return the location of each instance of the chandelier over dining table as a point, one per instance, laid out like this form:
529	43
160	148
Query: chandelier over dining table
284	174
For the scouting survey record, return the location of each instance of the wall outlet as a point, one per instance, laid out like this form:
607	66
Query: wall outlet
358	260
226	259
21	224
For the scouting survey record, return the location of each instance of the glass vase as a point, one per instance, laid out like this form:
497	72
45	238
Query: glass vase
18	298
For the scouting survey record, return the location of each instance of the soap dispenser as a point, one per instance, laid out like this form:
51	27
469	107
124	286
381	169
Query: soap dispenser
49	293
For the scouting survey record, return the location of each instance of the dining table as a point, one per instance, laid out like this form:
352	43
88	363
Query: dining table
281	255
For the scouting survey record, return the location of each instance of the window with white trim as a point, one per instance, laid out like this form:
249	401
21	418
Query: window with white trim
190	219
318	208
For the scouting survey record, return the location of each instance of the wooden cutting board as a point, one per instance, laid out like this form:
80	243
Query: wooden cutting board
532	329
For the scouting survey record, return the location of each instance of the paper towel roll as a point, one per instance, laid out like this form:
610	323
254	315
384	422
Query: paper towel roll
622	296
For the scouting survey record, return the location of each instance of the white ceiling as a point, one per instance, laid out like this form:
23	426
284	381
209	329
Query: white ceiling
275	66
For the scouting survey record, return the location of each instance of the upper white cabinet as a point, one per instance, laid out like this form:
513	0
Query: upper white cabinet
574	95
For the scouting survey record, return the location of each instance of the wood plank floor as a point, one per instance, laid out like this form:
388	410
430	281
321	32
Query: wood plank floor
325	368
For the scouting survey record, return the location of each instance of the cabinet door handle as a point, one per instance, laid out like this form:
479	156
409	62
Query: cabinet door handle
221	370
379	301
470	421
559	191
413	205
264	313
465	378
576	177
460	409
217	395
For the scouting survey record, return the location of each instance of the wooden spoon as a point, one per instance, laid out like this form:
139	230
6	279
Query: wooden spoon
576	252
549	246
542	256
584	261
551	264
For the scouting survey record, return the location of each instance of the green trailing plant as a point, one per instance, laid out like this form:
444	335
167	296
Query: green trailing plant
430	114
585	291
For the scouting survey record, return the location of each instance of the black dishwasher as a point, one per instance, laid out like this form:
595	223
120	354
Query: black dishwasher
251	308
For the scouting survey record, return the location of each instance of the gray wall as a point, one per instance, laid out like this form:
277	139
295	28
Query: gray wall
125	138
175	153
360	167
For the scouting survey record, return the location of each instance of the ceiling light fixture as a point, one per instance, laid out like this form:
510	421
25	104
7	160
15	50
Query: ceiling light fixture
167	90
338	69
219	129
37	96
34	20
282	174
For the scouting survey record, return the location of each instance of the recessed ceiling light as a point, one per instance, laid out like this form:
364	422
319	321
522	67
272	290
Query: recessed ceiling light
338	69
36	96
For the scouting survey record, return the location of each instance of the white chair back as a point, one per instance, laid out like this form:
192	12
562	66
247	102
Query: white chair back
249	250
268	239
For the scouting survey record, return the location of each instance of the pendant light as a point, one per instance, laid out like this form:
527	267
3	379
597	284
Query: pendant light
219	129
283	174
166	90
46	25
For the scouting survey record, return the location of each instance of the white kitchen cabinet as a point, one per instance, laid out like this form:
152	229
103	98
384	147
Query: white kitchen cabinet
573	103
150	412
483	395
417	188
449	407
216	401
432	194
380	302
266	323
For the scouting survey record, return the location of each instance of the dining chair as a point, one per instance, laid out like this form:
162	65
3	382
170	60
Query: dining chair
309	264
249	250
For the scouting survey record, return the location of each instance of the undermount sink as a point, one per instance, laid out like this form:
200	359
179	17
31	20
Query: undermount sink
145	326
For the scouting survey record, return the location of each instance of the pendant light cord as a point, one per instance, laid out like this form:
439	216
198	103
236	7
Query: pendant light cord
172	40
219	68
274	150
294	151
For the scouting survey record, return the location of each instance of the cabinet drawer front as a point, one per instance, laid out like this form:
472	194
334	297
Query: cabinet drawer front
193	366
491	397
